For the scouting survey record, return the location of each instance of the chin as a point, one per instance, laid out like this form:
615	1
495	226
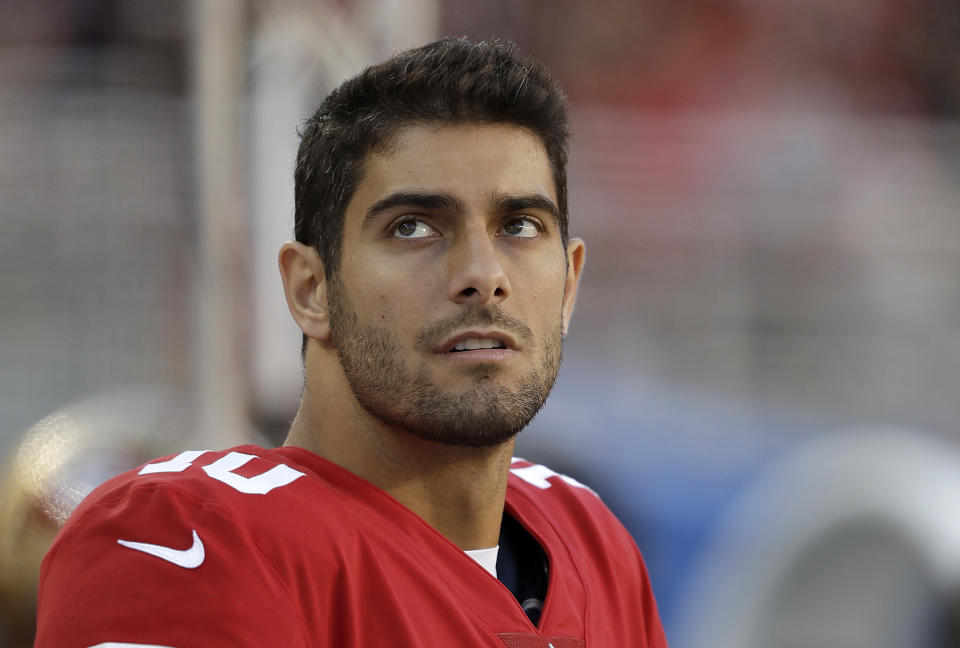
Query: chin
472	438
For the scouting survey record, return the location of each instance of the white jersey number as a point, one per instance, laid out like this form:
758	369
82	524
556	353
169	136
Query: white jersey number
222	470
539	476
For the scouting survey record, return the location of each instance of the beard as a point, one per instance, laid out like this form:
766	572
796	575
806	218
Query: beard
485	414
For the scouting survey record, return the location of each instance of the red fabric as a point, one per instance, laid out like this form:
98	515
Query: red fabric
330	560
513	640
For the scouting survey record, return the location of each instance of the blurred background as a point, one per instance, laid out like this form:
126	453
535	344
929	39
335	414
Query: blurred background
762	374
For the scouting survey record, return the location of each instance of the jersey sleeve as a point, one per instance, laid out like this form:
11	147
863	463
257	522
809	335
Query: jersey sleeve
157	565
652	626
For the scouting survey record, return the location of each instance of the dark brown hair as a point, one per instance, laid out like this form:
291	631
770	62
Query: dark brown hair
448	81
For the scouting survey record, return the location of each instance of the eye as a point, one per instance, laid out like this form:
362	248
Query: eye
522	227
412	229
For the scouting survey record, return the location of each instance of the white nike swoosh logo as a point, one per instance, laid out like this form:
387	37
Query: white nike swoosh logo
189	558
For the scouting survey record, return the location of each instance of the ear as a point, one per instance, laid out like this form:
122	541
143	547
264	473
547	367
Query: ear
305	286
576	256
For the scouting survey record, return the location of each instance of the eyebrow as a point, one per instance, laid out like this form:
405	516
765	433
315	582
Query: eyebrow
507	204
503	203
419	199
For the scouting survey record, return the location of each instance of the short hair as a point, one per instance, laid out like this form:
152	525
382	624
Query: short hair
450	81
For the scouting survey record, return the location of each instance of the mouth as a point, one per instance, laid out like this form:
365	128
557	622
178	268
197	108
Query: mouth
478	343
473	344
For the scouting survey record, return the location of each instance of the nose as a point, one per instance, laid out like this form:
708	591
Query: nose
476	275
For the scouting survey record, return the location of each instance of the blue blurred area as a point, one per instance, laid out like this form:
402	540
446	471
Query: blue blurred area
669	463
767	527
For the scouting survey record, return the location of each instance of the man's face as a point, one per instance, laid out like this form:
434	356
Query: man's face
448	307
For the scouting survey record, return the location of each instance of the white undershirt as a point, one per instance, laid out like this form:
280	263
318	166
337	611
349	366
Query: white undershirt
486	558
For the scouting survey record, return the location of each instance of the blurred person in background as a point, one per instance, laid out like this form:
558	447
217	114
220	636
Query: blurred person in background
434	279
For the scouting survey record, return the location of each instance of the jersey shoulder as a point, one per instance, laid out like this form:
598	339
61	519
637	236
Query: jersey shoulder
552	492
257	491
567	505
585	537
120	565
245	469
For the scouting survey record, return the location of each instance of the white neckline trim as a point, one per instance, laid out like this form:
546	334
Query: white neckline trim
486	558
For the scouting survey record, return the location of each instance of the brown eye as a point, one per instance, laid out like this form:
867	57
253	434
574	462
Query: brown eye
521	228
412	228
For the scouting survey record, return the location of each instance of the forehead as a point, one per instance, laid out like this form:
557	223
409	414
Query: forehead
471	161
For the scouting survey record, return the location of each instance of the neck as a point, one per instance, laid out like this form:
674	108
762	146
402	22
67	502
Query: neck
459	491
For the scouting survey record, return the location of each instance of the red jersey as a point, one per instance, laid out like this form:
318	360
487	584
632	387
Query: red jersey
254	547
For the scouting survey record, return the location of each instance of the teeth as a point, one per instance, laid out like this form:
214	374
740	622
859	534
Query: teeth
472	344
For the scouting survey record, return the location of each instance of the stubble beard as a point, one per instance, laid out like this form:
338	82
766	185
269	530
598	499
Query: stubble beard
486	414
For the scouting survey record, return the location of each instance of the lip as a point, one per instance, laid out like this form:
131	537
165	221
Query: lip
508	341
479	356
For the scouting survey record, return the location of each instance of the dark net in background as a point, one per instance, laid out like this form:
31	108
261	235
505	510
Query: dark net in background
769	195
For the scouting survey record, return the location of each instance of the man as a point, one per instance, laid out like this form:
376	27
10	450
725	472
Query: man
433	279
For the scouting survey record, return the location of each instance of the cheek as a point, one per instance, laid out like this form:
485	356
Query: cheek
391	300
385	309
540	297
542	285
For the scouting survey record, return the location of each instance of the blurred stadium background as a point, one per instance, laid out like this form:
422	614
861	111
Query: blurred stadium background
762	374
